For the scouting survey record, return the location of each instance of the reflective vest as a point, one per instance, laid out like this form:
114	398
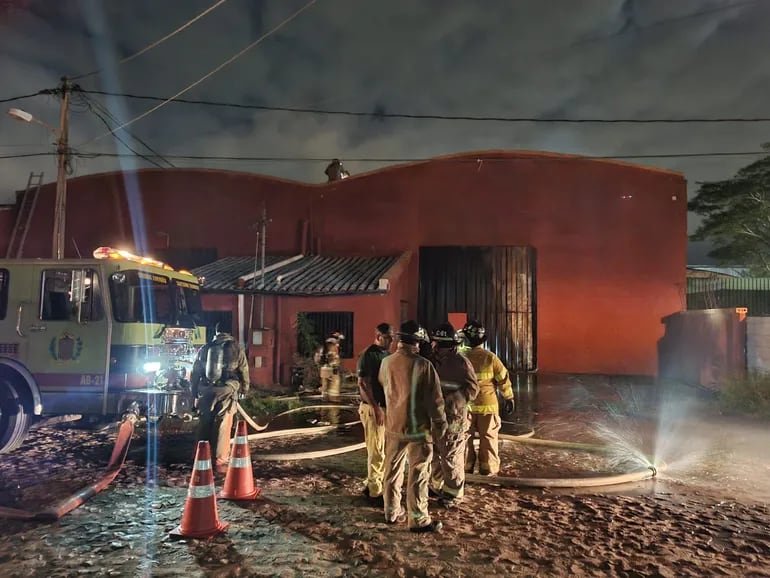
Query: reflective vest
492	374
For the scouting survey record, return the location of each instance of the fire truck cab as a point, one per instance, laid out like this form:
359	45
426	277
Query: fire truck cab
94	337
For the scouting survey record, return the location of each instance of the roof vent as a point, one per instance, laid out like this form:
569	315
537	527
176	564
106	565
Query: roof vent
335	171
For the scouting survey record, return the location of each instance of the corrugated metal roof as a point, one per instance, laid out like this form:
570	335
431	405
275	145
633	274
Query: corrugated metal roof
223	274
307	275
727	271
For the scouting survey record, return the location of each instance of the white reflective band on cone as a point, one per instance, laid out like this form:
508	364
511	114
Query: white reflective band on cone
241	439
203	465
200	491
240	462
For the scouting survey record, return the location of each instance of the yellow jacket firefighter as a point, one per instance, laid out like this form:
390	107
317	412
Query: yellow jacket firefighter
491	374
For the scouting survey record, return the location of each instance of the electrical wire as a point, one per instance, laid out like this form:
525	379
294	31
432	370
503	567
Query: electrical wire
157	42
396	115
107	124
416	116
94	104
22	96
469	159
25	155
209	74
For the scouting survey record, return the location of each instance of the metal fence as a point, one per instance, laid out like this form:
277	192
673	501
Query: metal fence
728	292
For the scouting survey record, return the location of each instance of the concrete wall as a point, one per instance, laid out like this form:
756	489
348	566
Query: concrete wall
758	344
703	347
610	237
279	337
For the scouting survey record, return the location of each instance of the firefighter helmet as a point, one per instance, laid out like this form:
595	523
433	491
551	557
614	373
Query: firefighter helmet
410	332
335	338
474	332
445	335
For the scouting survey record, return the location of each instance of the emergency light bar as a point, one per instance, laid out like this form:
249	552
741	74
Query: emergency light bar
110	253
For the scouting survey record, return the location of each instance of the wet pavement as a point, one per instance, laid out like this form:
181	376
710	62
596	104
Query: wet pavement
706	512
679	429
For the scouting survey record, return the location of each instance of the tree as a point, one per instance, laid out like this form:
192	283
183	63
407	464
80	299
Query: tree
736	215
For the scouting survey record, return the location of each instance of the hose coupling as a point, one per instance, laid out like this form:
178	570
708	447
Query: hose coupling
654	470
132	411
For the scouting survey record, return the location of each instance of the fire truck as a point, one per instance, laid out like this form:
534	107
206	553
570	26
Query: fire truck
95	337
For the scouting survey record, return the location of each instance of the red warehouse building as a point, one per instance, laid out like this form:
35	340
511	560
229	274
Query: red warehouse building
571	262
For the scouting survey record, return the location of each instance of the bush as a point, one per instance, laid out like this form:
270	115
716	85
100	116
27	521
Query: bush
265	407
311	373
749	395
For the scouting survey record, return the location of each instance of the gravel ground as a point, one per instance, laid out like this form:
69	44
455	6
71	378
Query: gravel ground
695	519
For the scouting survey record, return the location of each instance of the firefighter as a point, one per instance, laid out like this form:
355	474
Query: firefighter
485	418
424	347
415	411
220	374
330	368
459	386
372	410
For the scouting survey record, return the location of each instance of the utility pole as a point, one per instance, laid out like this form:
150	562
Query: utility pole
62	160
263	222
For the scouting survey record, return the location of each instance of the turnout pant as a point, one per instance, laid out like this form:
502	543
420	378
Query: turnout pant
330	383
374	436
217	406
487	426
448	465
397	450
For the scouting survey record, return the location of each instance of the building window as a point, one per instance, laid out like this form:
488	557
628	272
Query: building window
326	323
71	295
3	293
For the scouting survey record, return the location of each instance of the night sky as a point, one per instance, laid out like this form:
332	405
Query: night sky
613	59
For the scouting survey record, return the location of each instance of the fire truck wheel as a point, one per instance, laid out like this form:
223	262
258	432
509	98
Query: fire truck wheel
14	417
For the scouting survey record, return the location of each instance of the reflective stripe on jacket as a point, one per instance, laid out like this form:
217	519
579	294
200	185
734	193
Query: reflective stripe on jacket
492	375
412	394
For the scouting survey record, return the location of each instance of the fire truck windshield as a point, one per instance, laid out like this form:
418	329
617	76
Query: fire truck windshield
188	301
142	297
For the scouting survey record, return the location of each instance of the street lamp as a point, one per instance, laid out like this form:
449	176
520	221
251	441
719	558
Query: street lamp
19	114
61	162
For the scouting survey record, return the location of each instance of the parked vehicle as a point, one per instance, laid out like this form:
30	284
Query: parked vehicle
94	337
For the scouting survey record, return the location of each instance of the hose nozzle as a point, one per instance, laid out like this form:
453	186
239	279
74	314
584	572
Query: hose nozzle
654	470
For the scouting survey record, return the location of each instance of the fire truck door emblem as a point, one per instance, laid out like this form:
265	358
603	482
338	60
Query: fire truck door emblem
66	347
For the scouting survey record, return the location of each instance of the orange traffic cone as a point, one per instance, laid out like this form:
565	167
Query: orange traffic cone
200	518
239	481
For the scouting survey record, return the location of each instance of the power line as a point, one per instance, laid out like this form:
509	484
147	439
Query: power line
468	159
209	74
26	155
94	104
107	124
23	96
416	116
159	41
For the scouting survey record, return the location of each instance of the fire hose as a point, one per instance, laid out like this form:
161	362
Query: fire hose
126	430
637	475
307	431
66	505
247	418
115	464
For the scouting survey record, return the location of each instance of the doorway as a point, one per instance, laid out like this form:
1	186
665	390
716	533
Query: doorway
495	285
